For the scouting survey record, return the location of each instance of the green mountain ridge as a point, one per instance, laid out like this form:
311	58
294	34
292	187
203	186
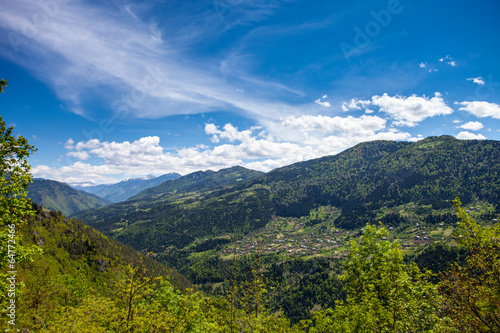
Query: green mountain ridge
358	181
59	196
198	181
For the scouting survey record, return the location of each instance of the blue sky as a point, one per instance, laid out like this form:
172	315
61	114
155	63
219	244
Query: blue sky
113	89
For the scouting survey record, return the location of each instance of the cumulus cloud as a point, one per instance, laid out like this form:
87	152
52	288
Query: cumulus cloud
422	65
252	148
481	109
229	132
472	125
470	136
82	155
406	111
477	80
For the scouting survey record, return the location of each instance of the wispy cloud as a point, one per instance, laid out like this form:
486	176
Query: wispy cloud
127	59
477	80
321	101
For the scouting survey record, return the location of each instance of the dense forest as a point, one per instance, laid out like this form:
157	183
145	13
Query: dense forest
74	279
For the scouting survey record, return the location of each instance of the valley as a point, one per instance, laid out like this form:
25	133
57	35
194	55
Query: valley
296	224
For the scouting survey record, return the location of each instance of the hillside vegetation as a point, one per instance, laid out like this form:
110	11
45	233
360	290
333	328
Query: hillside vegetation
358	182
62	197
268	263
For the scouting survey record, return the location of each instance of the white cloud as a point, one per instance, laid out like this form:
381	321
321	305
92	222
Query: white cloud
69	144
354	104
351	125
477	80
470	136
445	58
325	104
451	61
481	109
407	111
230	133
422	65
472	125
252	148
82	155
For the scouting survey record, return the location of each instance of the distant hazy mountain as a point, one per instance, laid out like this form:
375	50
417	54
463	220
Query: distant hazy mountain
198	181
125	189
60	196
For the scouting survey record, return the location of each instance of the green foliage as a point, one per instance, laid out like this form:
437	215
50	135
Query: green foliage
439	258
14	208
305	285
14	176
383	295
3	83
472	291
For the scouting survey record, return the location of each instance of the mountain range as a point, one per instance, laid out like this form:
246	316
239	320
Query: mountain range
125	189
358	181
297	221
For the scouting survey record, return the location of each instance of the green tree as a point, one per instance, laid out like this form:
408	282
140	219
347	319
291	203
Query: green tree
383	294
471	292
3	83
14	208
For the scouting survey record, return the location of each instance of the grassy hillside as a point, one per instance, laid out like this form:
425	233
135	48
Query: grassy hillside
62	197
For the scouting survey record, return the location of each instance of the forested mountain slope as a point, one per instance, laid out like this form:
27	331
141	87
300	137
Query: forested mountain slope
76	262
358	181
381	173
175	212
62	197
200	181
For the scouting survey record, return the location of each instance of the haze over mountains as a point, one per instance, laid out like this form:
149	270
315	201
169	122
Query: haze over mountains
127	188
69	200
59	196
